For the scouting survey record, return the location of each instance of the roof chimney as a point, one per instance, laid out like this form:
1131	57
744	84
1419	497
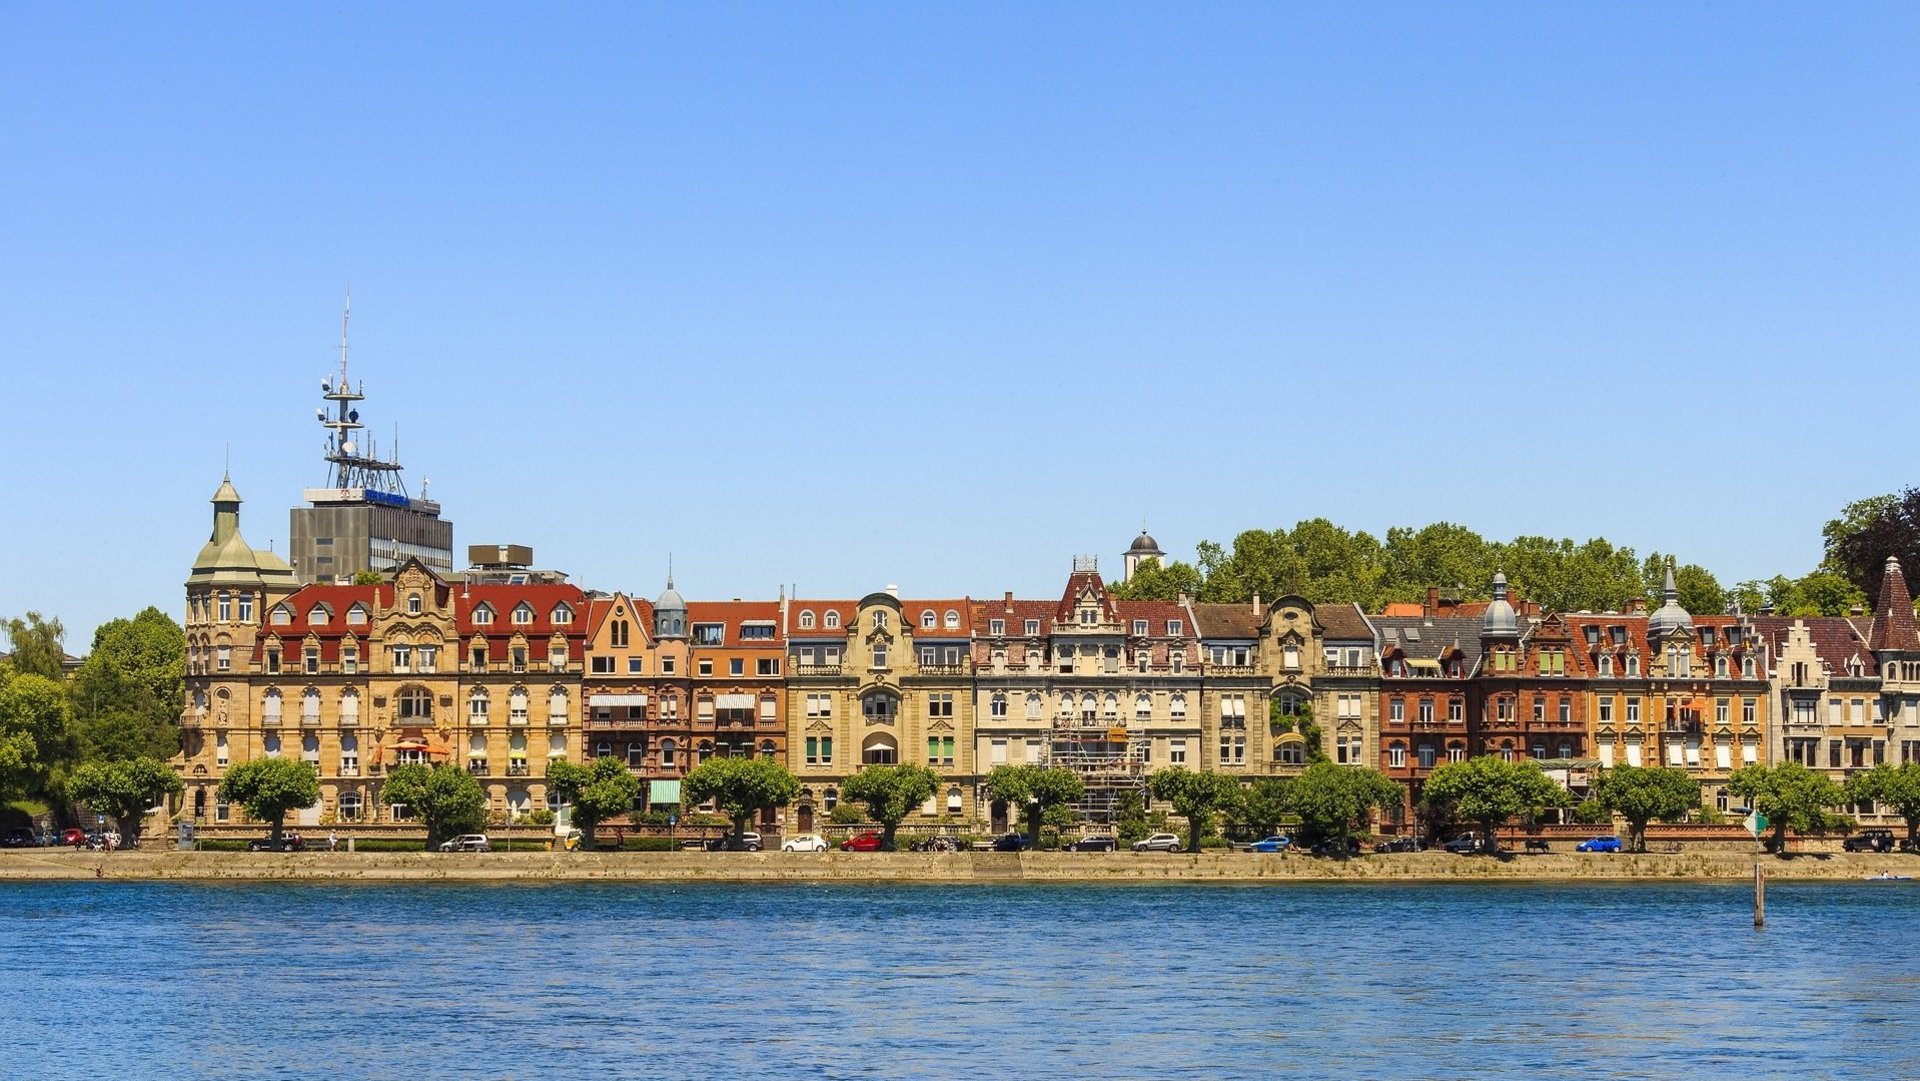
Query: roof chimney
1256	602
1433	602
893	590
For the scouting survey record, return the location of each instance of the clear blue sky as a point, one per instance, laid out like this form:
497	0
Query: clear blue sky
941	295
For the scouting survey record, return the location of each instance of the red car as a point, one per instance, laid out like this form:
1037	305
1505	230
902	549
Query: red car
863	842
74	837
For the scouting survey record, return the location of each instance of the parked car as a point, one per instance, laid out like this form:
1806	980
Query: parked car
1331	846
286	842
73	836
466	842
1011	842
940	843
1095	842
1869	841
19	837
1469	843
1598	844
805	842
749	842
1399	844
1279	842
1159	842
869	841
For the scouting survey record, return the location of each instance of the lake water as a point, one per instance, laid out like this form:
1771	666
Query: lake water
160	980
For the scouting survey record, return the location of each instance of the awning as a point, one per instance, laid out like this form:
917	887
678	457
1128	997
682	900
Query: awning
1430	666
663	791
417	744
733	701
617	700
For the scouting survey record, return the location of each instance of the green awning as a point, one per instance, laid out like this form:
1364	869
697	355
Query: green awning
663	791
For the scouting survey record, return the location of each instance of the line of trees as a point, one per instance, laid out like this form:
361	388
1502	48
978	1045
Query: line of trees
1327	563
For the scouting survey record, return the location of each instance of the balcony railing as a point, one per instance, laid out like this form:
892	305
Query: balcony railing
349	771
931	669
477	766
516	769
1348	670
816	669
1225	671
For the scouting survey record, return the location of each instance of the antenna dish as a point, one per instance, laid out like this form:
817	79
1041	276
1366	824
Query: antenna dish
347	447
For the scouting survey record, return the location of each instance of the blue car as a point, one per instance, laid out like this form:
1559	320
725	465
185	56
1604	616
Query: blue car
1275	843
1599	844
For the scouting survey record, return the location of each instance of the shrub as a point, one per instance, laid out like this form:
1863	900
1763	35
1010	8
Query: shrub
1592	812
1213	841
846	814
540	817
649	844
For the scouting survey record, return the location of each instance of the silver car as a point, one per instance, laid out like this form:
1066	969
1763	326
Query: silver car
1159	842
467	842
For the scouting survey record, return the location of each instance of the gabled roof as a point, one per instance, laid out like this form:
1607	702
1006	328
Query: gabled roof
1015	612
1078	583
1835	639
1343	622
1432	638
1157	614
820	608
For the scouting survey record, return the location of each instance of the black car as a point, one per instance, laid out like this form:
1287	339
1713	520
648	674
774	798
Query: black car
19	837
1399	844
1095	842
1331	847
1869	841
1011	842
290	842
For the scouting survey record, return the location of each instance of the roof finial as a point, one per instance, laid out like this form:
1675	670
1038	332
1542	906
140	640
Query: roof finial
669	570
1667	591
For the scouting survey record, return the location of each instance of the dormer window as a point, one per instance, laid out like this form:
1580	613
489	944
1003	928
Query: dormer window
357	614
1089	616
1746	667
833	620
996	627
806	620
282	615
1140	628
1175	628
483	613
413	604
1606	664
318	615
522	614
1033	627
1633	664
562	614
952	619
927	619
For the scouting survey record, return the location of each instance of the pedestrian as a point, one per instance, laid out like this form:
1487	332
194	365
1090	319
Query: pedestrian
333	841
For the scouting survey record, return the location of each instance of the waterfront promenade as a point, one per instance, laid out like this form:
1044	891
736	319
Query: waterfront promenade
1118	867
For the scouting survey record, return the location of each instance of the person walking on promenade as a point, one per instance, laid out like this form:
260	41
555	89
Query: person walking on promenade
333	841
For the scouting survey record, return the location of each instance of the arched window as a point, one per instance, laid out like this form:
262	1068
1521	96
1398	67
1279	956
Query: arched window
953	800
349	708
350	806
1033	706
833	620
667	749
1066	704
880	708
1506	750
806	620
310	707
602	749
1177	707
997	706
557	706
880	620
879	750
269	707
477	708
416	706
517	706
927	620
556	746
704	750
1143	707
953	619
413	604
1110	707
767	748
1396	754
830	798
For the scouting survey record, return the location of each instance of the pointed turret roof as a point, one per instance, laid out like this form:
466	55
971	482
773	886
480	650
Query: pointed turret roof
1670	618
1893	623
1500	620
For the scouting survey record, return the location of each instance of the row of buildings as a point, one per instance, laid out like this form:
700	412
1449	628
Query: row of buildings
502	669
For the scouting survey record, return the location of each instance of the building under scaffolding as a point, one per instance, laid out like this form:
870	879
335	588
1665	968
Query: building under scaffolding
1106	760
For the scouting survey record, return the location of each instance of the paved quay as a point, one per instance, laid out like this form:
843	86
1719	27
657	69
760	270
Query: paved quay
1119	867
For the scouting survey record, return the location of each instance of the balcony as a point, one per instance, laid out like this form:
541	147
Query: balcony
1361	670
816	669
517	768
960	669
349	771
1235	671
477	766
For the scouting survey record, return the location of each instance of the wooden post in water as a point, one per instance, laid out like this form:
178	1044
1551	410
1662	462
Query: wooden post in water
1759	896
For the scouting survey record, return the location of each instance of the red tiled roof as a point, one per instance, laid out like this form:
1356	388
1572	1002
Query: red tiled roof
1835	639
734	613
1893	623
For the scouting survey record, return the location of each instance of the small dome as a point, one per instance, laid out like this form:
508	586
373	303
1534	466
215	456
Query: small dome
670	600
1146	544
1670	618
1500	620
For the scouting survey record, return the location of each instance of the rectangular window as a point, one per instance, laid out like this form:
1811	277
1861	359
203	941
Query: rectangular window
1456	711
1633	711
403	658
556	659
273	662
1177	752
737	667
1033	750
602	666
1426	711
1397	711
1397	755
223	658
428	659
1606	711
767	666
1140	628
705	666
1033	627
636	666
519	658
940	705
996	627
350	661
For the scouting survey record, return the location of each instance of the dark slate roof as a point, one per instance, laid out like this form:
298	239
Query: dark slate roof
1893	625
1431	637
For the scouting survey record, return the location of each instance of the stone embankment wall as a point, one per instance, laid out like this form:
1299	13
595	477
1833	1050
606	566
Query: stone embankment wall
1119	867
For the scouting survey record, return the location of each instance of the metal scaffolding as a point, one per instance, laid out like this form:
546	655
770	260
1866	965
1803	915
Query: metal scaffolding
1108	761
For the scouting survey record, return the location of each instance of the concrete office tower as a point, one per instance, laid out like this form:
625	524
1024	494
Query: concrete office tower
364	519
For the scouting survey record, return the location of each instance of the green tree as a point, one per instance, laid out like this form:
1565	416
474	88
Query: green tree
599	790
36	722
1488	790
1152	582
448	799
1642	794
1450	556
891	793
36	646
270	787
1130	817
1895	786
1789	795
136	665
1259	808
1699	591
741	788
1033	789
1194	795
125	790
368	578
1333	801
1867	532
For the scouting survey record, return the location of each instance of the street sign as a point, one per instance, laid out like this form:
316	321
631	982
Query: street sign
1756	823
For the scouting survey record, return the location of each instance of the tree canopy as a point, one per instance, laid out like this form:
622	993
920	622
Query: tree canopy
1641	794
1332	800
124	790
36	723
270	787
1033	789
36	646
1867	532
1789	795
741	788
597	791
446	798
1194	795
1895	786
891	793
1488	790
